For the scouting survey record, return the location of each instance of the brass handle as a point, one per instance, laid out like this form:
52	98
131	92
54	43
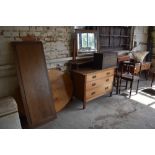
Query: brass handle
94	76
108	73
106	88
93	84
107	80
93	93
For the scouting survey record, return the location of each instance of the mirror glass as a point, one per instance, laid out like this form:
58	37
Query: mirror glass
86	43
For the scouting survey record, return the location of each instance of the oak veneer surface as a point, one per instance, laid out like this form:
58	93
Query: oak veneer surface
34	82
62	88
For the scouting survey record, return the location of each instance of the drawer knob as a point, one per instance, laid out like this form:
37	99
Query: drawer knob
94	76
93	84
108	73
106	88
93	93
107	80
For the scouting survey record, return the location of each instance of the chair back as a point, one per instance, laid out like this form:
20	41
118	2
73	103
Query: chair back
129	68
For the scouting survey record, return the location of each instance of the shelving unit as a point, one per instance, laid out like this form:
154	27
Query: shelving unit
114	37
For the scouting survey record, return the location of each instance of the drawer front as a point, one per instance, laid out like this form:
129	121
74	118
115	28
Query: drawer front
97	83
98	75
98	91
145	66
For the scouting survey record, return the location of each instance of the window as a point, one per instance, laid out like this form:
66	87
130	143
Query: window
86	42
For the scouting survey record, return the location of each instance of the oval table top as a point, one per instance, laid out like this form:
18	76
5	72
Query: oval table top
61	86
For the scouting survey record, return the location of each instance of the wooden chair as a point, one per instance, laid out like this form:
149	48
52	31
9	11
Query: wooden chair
117	74
128	73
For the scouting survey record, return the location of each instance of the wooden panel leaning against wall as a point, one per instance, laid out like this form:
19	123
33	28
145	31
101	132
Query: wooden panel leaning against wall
37	104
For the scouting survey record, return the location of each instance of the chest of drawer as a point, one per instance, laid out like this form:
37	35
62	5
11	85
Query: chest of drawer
98	75
97	83
93	93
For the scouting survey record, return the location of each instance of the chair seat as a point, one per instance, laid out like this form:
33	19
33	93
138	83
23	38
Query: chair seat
128	76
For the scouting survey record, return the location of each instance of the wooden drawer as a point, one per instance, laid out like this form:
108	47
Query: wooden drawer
93	93
97	83
146	66
98	75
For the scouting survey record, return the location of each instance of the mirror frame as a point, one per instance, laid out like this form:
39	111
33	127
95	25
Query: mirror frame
75	50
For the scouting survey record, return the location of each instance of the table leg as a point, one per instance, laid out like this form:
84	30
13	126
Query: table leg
84	105
110	93
146	74
153	74
117	85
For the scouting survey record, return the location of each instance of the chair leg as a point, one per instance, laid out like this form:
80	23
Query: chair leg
152	79
130	88
114	81
146	74
120	85
117	86
137	86
140	74
126	85
110	94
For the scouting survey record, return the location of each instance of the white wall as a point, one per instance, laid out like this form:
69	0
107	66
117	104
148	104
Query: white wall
140	37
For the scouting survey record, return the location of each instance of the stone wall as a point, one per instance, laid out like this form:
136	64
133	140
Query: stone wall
56	42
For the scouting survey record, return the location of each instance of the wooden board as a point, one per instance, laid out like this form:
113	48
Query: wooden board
34	83
62	88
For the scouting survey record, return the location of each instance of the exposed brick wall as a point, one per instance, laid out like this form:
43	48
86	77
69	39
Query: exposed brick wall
56	42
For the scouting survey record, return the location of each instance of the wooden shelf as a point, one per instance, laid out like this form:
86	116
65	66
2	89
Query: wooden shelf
106	45
124	36
114	45
109	36
102	35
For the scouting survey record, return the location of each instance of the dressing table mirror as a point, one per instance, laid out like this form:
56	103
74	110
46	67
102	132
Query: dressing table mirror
89	82
85	43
